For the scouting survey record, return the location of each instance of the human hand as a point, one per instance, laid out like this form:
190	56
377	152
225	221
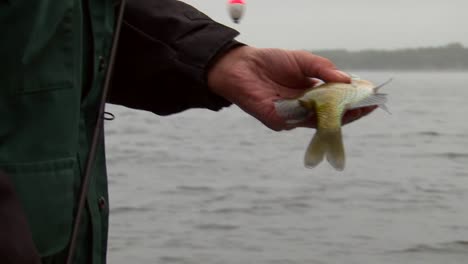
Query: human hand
254	78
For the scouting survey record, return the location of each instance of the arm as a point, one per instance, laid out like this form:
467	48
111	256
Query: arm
165	49
254	78
168	50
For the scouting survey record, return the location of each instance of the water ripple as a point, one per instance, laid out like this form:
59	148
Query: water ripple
197	189
216	227
458	246
171	259
129	209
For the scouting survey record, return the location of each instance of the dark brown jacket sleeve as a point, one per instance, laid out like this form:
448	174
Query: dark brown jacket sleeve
165	49
16	244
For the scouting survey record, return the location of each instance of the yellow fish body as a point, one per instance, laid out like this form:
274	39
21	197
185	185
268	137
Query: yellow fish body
329	102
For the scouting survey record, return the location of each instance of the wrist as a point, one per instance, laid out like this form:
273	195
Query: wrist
226	65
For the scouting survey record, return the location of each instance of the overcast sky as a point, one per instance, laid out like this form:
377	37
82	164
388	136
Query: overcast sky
350	24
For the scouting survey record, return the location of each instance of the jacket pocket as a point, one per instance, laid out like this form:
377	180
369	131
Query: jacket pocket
46	192
48	59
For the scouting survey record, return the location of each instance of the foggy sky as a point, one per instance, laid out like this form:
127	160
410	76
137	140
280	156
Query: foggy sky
354	25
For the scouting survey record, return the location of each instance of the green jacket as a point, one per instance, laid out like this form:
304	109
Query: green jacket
53	58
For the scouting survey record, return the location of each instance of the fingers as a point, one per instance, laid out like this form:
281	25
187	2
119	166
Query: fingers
368	110
333	75
351	116
318	67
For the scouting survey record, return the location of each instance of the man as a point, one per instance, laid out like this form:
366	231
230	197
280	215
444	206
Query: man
171	58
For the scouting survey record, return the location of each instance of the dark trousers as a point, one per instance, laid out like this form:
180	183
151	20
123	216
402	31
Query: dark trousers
16	245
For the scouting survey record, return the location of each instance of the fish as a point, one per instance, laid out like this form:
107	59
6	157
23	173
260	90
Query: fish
328	102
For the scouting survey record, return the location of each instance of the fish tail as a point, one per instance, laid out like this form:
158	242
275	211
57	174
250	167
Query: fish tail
326	143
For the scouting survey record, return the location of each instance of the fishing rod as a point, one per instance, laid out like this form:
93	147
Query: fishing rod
96	137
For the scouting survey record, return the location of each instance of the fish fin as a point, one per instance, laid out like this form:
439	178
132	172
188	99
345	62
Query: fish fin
291	110
327	143
384	107
374	99
354	76
377	88
377	99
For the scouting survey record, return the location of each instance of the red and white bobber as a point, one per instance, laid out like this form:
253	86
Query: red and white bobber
236	9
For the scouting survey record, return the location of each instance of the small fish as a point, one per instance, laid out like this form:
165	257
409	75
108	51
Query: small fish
329	101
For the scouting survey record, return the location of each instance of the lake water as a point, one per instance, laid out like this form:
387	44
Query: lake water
206	187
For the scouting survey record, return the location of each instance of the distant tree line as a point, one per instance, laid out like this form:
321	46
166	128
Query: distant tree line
450	57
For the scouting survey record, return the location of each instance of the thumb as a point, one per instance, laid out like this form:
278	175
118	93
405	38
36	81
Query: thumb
321	68
334	75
